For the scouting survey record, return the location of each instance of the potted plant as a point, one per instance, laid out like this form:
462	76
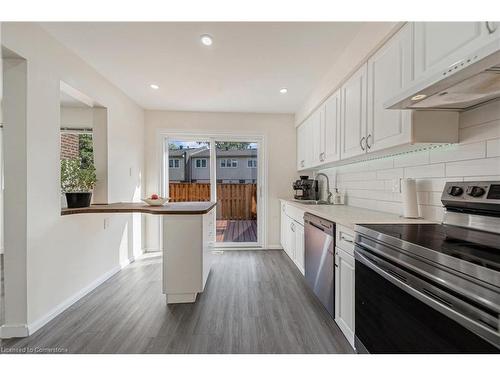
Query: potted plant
77	182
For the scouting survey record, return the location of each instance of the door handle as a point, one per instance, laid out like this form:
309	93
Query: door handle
361	143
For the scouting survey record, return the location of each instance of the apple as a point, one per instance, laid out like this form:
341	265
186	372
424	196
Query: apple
155	196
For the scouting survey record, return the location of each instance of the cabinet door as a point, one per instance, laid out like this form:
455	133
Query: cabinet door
301	147
440	44
390	70
283	229
316	126
290	239
331	128
353	115
299	247
344	293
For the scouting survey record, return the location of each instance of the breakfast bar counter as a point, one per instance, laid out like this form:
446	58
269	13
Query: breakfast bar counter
179	208
187	240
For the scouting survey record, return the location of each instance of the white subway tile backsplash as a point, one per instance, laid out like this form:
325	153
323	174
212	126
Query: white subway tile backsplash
411	159
480	115
428	171
478	133
493	148
458	152
477	157
388	174
477	167
434	184
483	178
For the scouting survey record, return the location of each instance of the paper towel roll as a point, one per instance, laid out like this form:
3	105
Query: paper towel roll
409	190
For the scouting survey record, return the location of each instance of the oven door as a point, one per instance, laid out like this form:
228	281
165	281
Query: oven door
394	317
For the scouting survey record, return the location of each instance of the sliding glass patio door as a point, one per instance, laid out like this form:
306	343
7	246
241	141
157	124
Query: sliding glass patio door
237	181
226	170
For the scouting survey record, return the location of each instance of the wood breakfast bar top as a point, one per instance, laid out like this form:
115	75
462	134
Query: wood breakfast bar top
177	208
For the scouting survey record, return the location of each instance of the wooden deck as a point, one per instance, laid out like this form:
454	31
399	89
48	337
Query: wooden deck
236	230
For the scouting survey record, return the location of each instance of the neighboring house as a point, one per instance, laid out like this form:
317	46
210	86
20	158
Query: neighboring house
193	165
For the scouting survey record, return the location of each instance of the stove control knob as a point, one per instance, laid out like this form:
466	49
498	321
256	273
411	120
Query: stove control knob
455	191
475	191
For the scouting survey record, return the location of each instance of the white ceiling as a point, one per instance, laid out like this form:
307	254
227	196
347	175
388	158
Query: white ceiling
241	72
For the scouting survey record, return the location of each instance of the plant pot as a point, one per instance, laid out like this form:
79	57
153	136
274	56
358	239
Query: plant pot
78	200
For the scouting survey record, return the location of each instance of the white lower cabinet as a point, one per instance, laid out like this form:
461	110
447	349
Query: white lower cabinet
299	247
292	236
344	293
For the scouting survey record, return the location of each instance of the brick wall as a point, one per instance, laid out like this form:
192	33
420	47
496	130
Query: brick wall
476	157
69	146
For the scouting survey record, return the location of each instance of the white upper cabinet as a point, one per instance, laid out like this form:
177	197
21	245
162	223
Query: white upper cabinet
330	129
301	146
440	44
353	115
390	70
315	126
304	145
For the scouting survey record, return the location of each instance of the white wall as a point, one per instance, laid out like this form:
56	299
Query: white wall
476	157
67	254
366	42
77	117
280	133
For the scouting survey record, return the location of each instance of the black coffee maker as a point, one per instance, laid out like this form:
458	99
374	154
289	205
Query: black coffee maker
306	189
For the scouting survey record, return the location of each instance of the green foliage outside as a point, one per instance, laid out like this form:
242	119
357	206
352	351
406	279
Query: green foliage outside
86	146
78	175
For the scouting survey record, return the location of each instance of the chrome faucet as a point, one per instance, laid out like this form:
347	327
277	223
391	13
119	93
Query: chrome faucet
329	197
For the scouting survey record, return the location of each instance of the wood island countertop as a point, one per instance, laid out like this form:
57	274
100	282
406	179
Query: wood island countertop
178	208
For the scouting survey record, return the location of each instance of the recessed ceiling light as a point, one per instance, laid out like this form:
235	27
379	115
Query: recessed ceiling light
283	90
206	39
154	87
418	97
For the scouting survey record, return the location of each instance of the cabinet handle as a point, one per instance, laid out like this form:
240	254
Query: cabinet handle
491	27
302	163
361	143
368	143
346	239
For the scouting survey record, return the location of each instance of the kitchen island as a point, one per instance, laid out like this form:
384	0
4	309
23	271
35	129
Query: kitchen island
187	241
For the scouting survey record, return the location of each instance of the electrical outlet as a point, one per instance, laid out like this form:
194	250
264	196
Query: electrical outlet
396	185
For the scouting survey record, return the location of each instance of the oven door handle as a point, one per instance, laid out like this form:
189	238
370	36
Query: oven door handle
431	300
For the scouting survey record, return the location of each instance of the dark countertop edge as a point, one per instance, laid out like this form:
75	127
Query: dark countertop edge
143	209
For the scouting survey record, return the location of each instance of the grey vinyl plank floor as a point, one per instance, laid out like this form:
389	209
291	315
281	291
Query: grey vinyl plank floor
254	302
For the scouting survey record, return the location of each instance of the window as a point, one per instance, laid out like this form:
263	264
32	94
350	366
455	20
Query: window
174	163
229	163
252	163
201	163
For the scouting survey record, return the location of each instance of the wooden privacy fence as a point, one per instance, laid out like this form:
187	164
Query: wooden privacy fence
234	201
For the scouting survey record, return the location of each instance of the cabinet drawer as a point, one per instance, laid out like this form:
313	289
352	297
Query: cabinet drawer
295	213
345	239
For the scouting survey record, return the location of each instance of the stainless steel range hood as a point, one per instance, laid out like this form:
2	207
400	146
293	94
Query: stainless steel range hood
469	82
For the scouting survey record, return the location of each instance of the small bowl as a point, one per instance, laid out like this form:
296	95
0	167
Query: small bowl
156	202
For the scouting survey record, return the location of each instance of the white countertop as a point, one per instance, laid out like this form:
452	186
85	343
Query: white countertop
349	216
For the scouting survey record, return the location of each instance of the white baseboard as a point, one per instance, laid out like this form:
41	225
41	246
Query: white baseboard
36	325
275	247
9	331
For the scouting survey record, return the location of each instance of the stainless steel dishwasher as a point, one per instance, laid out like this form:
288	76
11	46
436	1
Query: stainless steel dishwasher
320	259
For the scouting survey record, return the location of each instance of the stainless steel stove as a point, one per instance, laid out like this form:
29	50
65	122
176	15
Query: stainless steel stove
432	288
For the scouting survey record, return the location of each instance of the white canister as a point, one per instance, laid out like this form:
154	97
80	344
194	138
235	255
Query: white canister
409	191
